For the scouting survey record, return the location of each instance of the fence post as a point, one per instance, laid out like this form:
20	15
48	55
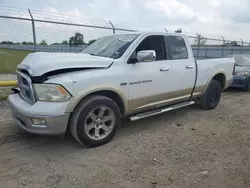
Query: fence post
242	43
33	29
166	30
206	53
199	41
113	27
223	46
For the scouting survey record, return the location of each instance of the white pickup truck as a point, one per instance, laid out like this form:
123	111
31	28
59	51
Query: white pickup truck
133	75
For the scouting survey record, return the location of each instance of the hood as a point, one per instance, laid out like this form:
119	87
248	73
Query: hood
242	68
242	62
40	63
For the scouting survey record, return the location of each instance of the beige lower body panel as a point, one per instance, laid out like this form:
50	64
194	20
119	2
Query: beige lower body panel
198	91
165	99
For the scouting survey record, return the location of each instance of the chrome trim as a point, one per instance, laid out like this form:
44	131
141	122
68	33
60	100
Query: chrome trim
189	67
164	69
146	56
160	111
26	67
26	87
163	101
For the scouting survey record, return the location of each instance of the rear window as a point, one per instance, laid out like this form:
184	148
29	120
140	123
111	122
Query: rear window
178	47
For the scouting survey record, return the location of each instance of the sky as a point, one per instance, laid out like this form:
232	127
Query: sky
212	18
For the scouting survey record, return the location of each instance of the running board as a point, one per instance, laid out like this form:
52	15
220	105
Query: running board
160	111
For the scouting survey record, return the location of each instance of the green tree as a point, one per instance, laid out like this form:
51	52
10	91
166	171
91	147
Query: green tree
91	41
43	42
77	39
71	41
64	42
7	42
27	43
200	40
55	43
178	31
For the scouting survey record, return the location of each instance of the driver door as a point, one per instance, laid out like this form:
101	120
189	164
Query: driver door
148	81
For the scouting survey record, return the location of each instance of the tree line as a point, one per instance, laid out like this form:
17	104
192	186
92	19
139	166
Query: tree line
75	40
78	39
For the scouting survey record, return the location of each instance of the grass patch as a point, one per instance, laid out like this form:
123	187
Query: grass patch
9	59
4	92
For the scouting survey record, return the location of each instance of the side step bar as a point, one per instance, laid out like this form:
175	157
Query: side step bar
160	111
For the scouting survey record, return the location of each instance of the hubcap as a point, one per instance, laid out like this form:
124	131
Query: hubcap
99	123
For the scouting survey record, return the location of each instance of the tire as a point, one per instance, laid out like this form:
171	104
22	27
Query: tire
86	125
212	96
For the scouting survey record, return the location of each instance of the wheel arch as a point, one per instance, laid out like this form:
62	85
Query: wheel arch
219	76
117	96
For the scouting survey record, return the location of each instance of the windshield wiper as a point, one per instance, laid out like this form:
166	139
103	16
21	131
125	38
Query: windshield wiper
93	54
90	54
241	65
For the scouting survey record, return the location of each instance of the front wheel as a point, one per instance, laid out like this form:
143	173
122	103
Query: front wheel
95	121
212	96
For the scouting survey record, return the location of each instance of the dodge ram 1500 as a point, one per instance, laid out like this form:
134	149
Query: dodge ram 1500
133	75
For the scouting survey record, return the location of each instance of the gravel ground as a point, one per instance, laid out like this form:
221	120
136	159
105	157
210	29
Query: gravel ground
186	148
5	114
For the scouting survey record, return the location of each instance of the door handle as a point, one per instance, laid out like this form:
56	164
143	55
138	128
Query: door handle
164	69
189	67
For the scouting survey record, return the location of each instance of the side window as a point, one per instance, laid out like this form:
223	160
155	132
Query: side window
177	47
153	43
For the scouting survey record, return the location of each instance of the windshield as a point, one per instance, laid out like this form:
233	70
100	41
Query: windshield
111	46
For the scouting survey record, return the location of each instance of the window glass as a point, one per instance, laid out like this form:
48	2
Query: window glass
178	47
155	43
111	46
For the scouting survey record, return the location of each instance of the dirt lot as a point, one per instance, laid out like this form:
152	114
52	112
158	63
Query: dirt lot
187	148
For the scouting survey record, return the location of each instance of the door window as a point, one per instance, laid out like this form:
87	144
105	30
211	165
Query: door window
177	47
155	43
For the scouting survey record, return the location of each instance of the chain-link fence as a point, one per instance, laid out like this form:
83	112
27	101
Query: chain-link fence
24	31
204	48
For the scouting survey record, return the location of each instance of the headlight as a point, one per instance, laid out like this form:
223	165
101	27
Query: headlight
51	92
241	74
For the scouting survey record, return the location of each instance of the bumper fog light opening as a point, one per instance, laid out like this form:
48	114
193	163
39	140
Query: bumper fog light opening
38	122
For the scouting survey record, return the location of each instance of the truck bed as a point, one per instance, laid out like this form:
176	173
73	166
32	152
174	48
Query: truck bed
210	67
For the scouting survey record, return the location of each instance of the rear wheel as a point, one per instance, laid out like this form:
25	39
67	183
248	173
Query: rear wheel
212	96
95	121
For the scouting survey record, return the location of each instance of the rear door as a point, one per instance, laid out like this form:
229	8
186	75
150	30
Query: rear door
183	70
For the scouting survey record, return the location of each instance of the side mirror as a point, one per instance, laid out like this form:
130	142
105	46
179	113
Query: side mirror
146	56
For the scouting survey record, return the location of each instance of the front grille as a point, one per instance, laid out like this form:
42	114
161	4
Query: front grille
238	82
26	90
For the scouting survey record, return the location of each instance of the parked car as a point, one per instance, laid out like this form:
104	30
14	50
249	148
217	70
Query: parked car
128	75
241	79
230	44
